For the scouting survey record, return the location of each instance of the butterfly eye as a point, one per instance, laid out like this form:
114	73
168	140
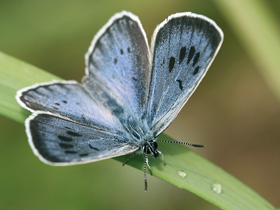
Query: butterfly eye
155	145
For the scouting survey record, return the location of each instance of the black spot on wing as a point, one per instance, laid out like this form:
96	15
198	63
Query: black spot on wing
121	51
196	70
73	133
64	101
128	50
70	152
191	54
180	84
196	57
171	63
83	154
182	54
94	148
115	61
65	146
58	104
65	138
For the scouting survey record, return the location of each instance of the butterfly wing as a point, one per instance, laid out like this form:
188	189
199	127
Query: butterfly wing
69	127
183	48
118	66
59	141
75	123
113	95
69	100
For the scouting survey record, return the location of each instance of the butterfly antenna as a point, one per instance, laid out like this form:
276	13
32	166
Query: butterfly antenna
145	179
179	142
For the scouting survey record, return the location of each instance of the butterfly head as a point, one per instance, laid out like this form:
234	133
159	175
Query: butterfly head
150	147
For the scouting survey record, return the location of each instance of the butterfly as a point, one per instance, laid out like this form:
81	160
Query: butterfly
129	95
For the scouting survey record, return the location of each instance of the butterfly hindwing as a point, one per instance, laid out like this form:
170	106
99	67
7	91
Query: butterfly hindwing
59	141
183	48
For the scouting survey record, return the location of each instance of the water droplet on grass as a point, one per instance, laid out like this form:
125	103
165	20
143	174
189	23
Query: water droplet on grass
217	188
181	174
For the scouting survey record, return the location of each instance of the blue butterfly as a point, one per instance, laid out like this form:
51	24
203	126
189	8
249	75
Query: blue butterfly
129	95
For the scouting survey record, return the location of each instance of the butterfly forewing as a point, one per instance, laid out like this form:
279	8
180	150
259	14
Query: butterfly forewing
118	66
69	100
183	48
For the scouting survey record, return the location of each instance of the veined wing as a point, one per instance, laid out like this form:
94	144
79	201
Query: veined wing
183	48
70	100
118	66
58	141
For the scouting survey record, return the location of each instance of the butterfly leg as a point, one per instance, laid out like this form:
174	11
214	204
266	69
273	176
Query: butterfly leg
148	165
128	159
145	166
145	179
162	157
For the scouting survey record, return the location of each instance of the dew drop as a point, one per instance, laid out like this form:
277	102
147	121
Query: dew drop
181	174
217	188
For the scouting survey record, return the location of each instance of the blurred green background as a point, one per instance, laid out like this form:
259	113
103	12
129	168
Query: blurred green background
234	111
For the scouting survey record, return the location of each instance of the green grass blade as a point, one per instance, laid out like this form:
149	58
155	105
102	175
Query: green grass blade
184	168
187	170
257	27
14	75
